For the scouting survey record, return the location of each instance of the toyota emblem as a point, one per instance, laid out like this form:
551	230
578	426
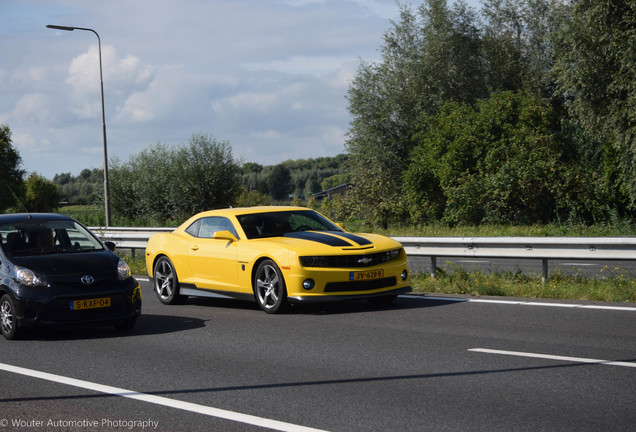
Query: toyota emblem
87	280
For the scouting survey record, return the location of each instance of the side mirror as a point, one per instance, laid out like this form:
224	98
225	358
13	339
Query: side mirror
110	245
224	235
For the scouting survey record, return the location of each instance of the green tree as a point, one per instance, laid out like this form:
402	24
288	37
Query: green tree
426	59
11	176
515	46
85	188
251	167
249	198
507	160
164	183
335	180
41	195
279	182
594	50
305	174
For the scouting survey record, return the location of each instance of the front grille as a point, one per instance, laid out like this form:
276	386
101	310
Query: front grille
350	261
360	285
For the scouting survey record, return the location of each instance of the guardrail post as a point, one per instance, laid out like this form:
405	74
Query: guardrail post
433	267
544	271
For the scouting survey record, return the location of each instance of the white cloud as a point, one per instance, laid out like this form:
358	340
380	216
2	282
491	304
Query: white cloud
32	106
269	77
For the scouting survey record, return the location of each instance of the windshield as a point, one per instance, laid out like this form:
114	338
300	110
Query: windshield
47	237
273	224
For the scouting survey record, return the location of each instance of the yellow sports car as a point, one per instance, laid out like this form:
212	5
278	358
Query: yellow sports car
276	256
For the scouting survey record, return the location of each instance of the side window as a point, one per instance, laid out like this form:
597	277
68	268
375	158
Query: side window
193	229
210	225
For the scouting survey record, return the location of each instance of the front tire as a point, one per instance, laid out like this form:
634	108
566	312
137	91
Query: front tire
8	320
166	282
269	288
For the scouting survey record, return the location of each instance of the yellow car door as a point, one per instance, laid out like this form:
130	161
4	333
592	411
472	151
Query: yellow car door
213	261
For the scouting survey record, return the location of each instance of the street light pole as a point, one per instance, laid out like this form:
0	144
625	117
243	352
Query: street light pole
101	84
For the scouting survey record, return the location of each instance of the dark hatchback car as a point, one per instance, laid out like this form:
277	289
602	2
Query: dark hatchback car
54	271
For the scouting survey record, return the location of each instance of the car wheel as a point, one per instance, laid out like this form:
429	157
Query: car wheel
269	287
166	282
8	321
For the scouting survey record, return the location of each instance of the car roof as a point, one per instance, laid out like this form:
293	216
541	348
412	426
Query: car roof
31	217
249	210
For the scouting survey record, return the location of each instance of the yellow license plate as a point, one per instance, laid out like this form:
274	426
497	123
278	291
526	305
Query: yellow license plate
90	303
366	275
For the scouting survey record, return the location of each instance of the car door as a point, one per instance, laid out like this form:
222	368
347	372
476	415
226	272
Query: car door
213	262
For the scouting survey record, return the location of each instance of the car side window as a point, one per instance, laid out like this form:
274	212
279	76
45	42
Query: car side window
210	225
193	229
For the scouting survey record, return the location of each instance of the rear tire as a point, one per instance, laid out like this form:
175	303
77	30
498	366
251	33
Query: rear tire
166	282
8	321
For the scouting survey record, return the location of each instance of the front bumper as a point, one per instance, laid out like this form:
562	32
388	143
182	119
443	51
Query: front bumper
327	298
53	308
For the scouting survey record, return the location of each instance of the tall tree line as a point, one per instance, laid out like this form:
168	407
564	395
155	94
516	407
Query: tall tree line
35	194
522	114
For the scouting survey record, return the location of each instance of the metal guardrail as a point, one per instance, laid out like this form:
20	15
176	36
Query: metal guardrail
127	237
543	248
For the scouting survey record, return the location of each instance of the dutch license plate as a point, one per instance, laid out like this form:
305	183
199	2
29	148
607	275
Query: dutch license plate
90	303
366	275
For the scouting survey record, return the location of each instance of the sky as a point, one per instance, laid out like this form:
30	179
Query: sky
270	77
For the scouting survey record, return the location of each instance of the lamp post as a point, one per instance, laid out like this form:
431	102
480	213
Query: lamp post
101	84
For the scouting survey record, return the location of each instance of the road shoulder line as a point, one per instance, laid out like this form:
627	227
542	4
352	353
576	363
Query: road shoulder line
159	400
554	357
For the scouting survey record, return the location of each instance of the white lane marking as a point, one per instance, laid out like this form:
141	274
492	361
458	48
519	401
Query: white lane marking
159	400
525	303
555	357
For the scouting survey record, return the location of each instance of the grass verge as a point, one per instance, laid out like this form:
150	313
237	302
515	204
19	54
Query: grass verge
610	288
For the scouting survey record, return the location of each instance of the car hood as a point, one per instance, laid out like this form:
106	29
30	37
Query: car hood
94	263
335	240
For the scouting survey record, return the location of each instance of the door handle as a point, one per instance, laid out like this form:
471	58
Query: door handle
194	247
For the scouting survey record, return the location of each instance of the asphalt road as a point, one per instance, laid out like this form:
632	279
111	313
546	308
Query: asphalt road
423	364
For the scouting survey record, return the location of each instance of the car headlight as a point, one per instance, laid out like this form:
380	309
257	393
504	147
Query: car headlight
123	271
28	277
394	254
314	261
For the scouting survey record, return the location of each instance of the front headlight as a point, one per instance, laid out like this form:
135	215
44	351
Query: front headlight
123	271
28	277
314	261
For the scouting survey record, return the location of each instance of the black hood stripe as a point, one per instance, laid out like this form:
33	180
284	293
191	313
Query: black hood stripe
330	238
360	240
320	237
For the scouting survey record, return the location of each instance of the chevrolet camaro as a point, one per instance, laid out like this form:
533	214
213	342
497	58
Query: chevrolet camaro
54	271
274	256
